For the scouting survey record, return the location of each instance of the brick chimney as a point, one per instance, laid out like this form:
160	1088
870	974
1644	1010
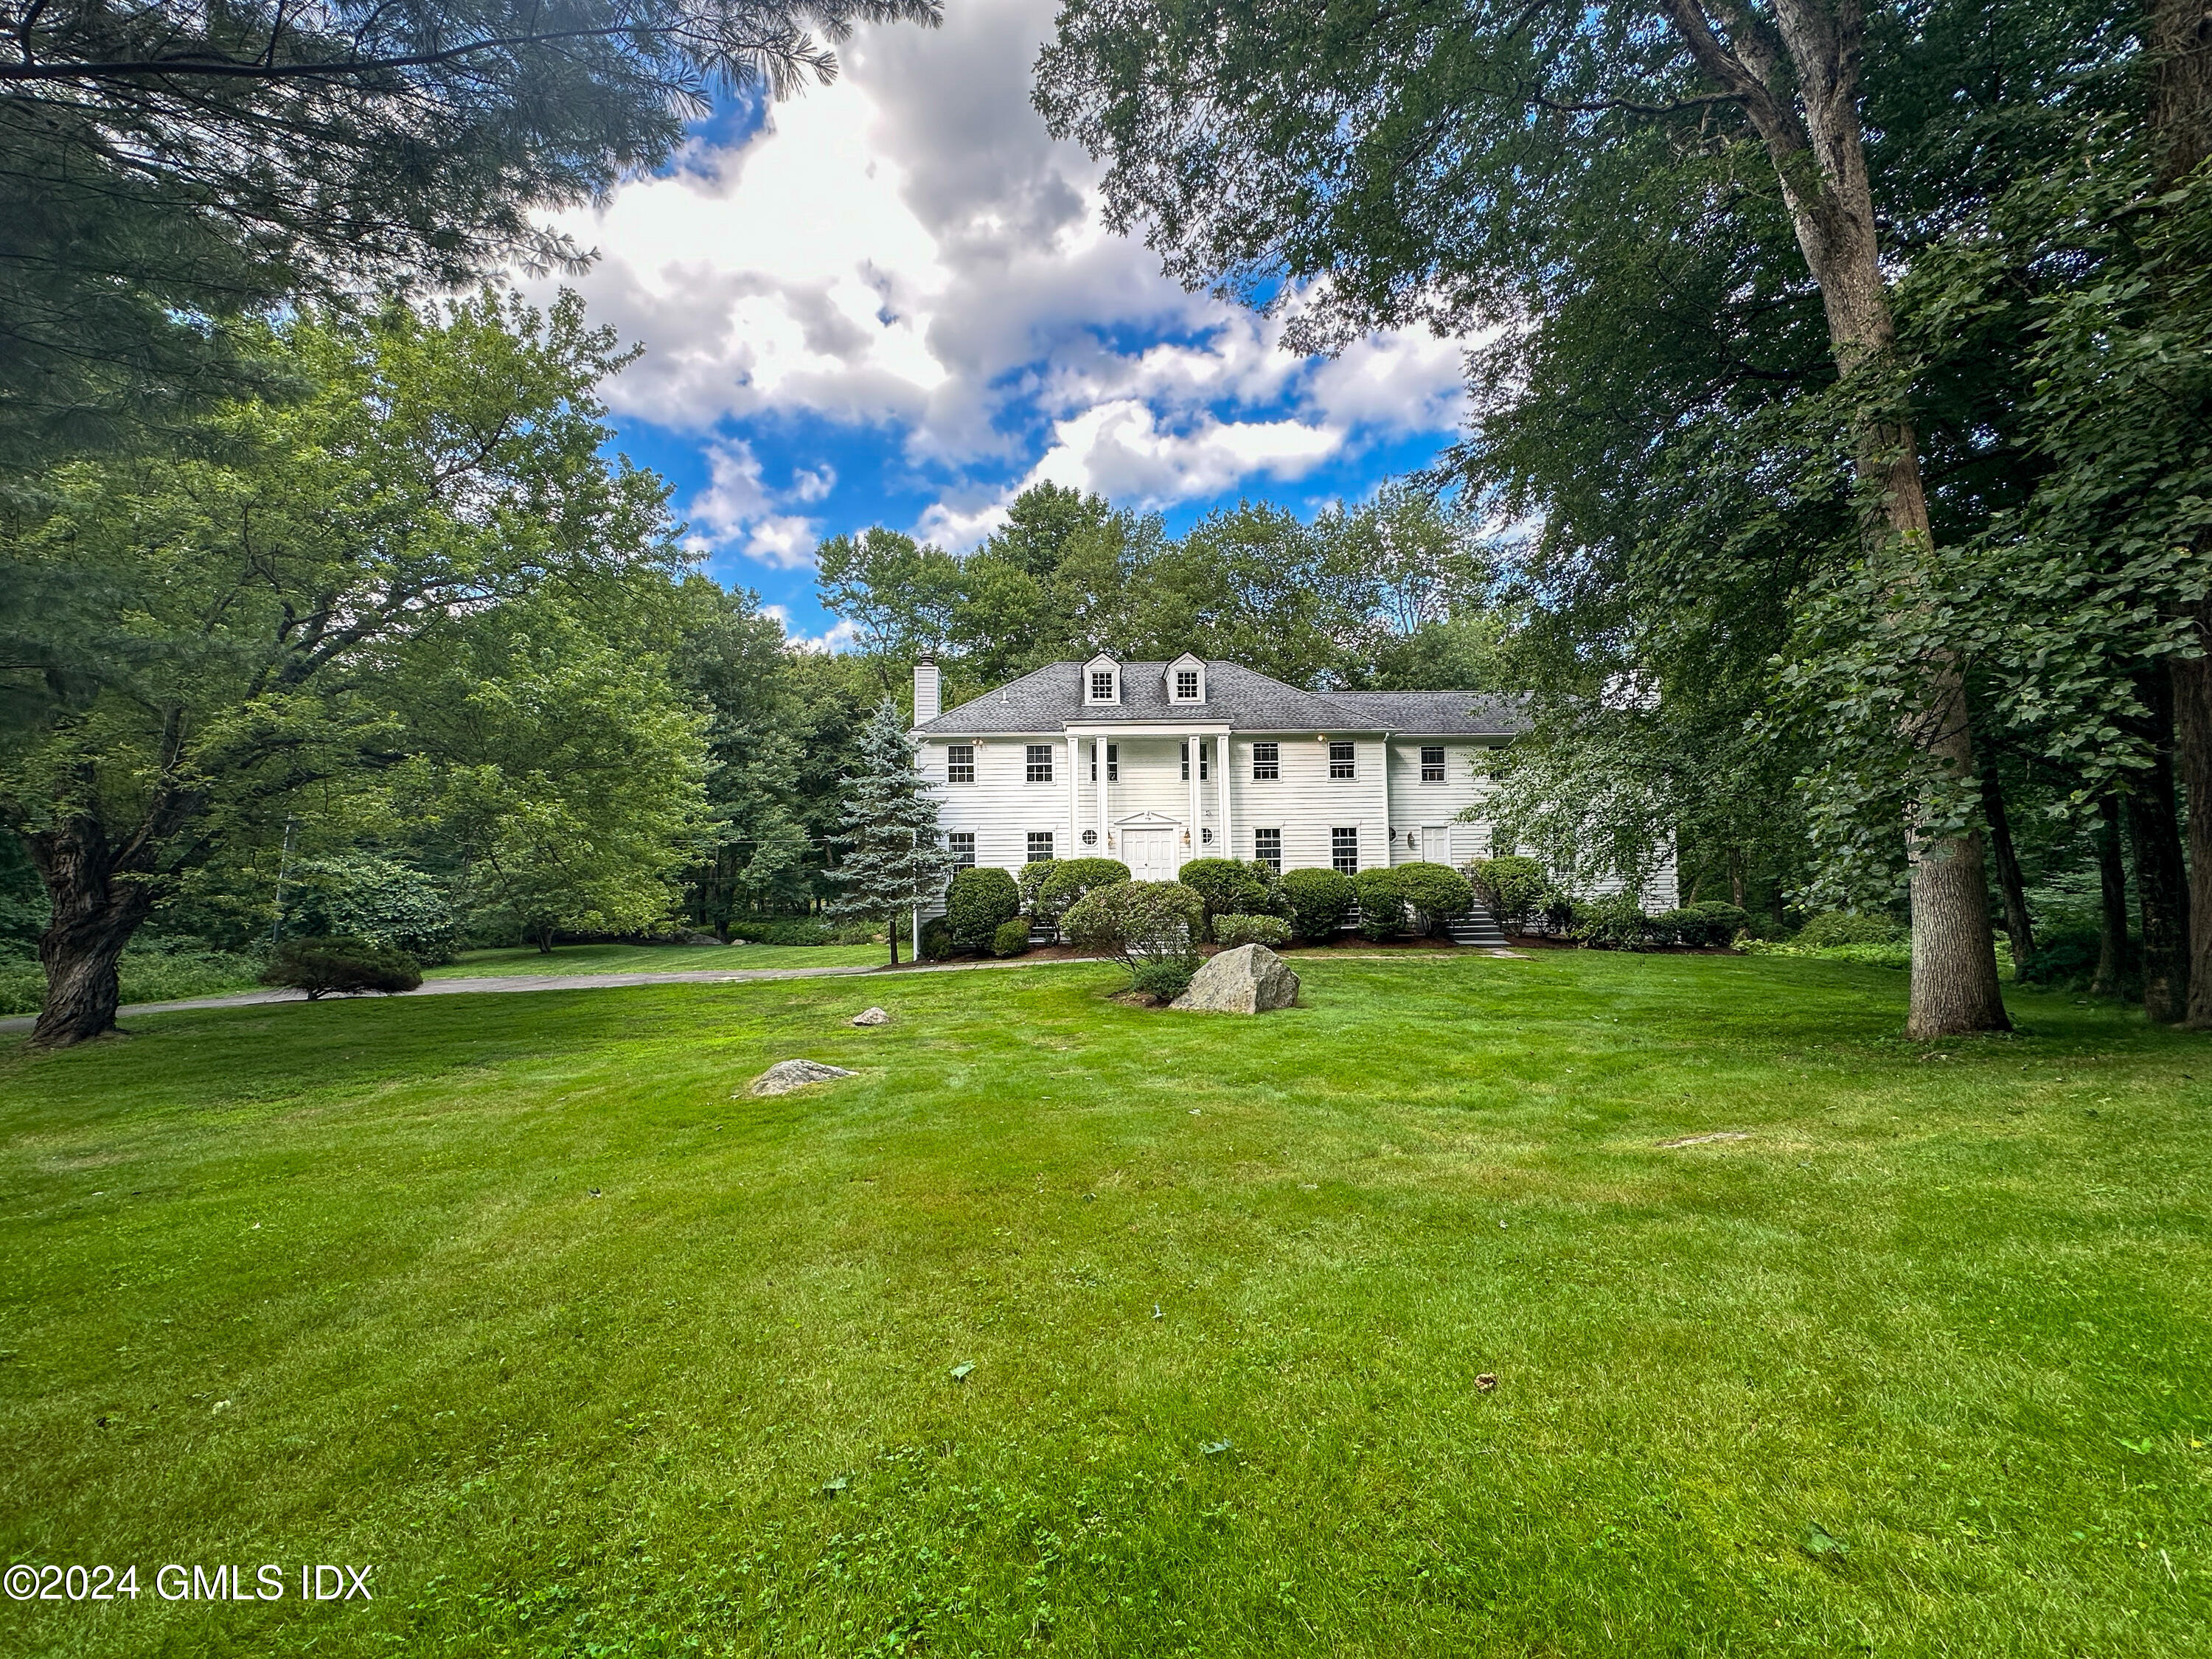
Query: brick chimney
928	695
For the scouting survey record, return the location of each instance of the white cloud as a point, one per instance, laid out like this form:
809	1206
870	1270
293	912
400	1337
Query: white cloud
737	509
905	253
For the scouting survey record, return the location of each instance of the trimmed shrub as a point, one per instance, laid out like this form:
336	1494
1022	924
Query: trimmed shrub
1847	927
1165	979
785	930
1382	904
1138	921
1318	900
1229	931
1012	938
1512	889
1708	922
979	902
348	967
1617	923
1233	887
1030	877
936	939
1436	891
1073	879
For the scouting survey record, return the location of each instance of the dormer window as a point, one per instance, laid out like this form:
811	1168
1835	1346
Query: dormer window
1102	682
1186	685
1186	679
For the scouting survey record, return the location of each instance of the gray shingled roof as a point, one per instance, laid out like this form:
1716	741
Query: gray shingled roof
1050	699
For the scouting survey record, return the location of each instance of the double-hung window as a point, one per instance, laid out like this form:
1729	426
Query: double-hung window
1113	763
1342	761
1267	760
1187	684
960	763
1102	685
1205	754
1040	847
963	844
1432	763
1185	761
1344	851
1040	763
1267	848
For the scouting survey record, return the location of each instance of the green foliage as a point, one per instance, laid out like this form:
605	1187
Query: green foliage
1011	939
1706	923
1513	888
1231	931
373	897
793	930
1848	927
892	859
347	966
1319	900
1382	899
1138	921
1435	892
936	940
982	900
1233	886
1030	878
152	971
1071	879
1616	923
1165	979
2065	958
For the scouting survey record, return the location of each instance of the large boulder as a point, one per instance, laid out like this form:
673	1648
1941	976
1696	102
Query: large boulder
1248	980
786	1075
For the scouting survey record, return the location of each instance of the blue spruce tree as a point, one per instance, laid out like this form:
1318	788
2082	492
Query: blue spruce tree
890	860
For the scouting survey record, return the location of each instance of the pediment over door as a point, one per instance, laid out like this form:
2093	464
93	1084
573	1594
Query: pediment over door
1147	820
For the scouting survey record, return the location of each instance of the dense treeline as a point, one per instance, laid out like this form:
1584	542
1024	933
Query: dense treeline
1851	363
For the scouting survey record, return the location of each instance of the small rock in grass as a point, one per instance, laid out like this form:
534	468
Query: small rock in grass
960	1372
1486	1382
872	1016
786	1075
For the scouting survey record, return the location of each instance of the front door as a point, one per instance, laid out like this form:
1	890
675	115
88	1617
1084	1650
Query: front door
1149	854
1436	843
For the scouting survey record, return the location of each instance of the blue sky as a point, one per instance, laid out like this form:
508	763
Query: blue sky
890	301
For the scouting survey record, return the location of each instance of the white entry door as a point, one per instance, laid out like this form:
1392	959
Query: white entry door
1436	843
1149	854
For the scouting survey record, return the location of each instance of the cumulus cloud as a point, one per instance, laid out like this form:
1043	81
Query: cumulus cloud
905	256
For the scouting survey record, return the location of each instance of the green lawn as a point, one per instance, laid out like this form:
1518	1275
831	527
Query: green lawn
660	959
521	1300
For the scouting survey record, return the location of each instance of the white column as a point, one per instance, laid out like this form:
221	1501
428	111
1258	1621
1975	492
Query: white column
1099	755
1197	830
1221	778
1074	798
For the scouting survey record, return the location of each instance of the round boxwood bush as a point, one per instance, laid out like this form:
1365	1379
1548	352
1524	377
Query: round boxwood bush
1437	891
1229	931
1512	889
1165	979
1012	938
1233	887
936	939
1617	923
1032	876
980	900
1138	921
1847	927
1382	904
1708	922
1071	879
347	966
1319	901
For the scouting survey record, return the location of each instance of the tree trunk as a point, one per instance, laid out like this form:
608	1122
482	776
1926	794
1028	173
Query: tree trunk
2192	755
2162	878
97	903
1816	144
1735	878
2018	925
891	932
2111	979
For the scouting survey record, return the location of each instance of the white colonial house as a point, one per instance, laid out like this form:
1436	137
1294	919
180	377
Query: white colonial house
1156	764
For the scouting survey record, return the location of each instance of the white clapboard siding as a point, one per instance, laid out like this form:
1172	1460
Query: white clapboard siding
1416	807
1001	807
1306	804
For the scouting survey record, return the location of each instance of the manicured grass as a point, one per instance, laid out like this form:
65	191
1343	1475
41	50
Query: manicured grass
524	1301
660	959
